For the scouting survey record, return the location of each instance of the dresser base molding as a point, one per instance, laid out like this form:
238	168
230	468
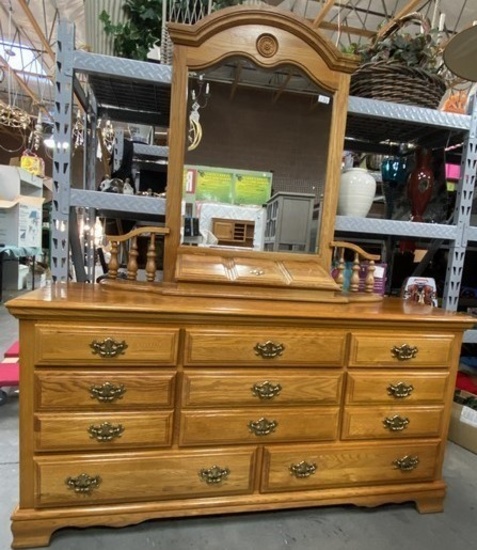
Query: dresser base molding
33	528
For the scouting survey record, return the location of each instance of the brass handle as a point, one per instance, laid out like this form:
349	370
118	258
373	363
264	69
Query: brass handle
406	463
400	390
302	469
214	475
266	390
83	484
404	352
269	350
257	272
395	423
108	347
105	431
107	392
262	426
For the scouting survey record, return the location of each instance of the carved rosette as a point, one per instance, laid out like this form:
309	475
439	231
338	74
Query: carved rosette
267	45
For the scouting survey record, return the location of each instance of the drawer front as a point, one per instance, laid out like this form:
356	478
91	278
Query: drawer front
105	345
258	426
319	467
257	345
396	387
400	350
391	422
102	431
102	390
93	480
261	387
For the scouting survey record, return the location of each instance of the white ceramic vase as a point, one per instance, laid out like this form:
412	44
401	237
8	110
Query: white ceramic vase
357	191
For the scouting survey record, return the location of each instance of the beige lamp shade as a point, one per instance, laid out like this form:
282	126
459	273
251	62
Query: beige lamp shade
460	54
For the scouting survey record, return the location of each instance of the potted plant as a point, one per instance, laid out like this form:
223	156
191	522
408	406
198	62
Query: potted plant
400	66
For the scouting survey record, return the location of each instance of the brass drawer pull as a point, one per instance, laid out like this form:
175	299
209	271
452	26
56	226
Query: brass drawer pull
107	392
108	347
266	390
269	350
214	475
83	484
400	390
396	423
404	352
406	463
302	469
105	431
262	426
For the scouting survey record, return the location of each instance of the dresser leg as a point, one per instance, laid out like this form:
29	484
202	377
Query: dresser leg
430	505
32	533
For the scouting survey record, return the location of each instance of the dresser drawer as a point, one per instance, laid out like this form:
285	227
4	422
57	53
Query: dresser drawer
258	426
318	467
104	344
396	386
256	345
102	431
103	390
391	422
400	349
63	480
285	387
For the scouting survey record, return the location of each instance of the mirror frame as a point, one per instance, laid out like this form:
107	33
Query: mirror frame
269	37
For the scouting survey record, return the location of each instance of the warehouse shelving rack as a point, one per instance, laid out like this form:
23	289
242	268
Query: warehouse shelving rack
139	92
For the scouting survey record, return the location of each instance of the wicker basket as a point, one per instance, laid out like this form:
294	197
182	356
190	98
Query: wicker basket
388	81
398	83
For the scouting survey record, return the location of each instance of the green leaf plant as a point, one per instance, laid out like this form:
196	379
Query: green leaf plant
418	49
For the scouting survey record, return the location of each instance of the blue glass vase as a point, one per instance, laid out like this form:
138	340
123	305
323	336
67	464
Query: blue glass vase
394	176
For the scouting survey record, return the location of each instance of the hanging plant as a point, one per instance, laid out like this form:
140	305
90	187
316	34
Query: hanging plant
134	38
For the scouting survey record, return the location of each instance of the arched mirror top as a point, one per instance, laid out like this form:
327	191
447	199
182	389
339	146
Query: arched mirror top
292	128
268	37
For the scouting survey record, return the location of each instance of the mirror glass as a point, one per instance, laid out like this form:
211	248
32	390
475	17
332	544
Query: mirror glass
255	168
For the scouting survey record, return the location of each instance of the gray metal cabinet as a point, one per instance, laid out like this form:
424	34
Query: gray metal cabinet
288	223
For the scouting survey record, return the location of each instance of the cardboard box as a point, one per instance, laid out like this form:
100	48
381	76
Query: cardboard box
21	222
463	423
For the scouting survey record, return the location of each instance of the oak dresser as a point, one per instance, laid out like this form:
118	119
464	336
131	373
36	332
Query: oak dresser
136	406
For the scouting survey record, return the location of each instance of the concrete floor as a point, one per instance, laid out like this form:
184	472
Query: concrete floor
390	527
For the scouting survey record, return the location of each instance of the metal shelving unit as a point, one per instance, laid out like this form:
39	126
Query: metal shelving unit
139	92
123	90
372	121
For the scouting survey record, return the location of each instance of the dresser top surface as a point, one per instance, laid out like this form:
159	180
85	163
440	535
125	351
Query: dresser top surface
83	299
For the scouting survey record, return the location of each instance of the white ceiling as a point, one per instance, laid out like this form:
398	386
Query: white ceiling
33	24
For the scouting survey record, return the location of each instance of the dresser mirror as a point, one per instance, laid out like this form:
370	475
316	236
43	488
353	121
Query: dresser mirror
269	94
255	133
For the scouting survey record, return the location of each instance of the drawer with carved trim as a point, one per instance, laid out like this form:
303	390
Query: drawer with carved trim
303	468
401	349
284	387
392	422
59	344
90	480
396	386
258	345
102	431
103	389
259	425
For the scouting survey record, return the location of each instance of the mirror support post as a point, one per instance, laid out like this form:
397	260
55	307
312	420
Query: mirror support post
177	144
